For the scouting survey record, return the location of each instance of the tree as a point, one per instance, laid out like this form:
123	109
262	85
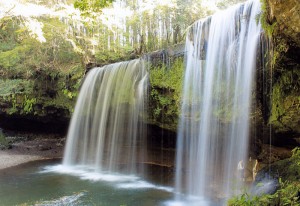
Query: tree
87	6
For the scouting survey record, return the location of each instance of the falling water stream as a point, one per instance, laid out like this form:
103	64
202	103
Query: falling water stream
214	124
106	133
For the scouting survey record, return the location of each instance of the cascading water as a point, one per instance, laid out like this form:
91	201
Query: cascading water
106	133
214	124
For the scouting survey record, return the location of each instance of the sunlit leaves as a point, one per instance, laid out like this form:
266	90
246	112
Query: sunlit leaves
87	6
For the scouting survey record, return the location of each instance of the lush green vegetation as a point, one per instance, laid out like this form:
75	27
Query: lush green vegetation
288	193
22	55
268	26
286	101
87	6
37	75
165	94
282	73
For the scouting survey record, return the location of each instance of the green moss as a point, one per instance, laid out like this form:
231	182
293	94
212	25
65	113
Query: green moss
268	26
13	95
28	104
16	86
50	93
284	76
60	93
165	94
271	28
285	113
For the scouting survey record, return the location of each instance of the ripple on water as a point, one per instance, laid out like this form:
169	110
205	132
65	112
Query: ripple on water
65	200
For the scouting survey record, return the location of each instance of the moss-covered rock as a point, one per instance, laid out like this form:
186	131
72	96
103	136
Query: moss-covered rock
49	98
285	113
281	21
165	94
37	96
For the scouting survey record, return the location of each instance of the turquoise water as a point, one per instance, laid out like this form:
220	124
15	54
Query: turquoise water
48	183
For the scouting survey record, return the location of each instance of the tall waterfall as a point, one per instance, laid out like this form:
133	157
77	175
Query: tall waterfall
106	133
214	124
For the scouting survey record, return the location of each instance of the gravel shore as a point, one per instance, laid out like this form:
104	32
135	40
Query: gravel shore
27	151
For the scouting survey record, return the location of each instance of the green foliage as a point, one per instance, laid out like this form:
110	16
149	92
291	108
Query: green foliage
112	56
295	166
244	199
270	26
287	194
68	93
33	97
280	44
87	6
165	94
28	104
286	101
281	47
14	92
38	78
267	26
284	76
23	55
15	86
169	78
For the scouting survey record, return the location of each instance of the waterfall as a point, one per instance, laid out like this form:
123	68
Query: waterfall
106	132
213	132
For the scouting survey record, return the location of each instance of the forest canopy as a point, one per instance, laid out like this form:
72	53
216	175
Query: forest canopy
99	31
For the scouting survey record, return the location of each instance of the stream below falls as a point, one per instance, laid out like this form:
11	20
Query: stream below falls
49	183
